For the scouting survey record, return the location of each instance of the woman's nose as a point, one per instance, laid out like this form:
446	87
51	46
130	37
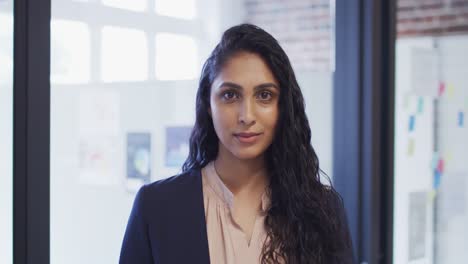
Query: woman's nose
247	112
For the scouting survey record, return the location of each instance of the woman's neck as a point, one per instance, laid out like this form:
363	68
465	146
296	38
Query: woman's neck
241	176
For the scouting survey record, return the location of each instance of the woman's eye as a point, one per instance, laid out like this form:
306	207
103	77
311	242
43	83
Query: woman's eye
265	95
229	95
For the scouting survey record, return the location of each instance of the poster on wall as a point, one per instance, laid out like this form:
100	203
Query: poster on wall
177	145
97	160
138	159
99	124
417	225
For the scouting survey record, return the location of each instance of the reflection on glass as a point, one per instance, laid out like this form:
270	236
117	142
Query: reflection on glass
6	128
176	57
185	9
124	54
70	56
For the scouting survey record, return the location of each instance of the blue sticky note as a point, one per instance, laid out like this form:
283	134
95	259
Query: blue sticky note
461	117
412	120
420	105
437	176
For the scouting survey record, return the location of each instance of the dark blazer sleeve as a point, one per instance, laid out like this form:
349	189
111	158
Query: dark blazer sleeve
136	246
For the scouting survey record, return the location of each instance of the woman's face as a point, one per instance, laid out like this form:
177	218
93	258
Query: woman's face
244	106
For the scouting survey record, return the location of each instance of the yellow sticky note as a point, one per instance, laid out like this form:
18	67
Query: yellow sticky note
450	91
432	195
411	147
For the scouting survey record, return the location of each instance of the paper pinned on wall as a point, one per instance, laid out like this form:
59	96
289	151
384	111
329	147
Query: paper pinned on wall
420	105
436	180
139	156
97	160
450	90
412	120
441	166
441	88
461	118
424	79
99	127
417	225
411	147
177	145
432	195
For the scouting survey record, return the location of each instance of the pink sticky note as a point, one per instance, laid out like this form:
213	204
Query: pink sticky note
440	166
441	88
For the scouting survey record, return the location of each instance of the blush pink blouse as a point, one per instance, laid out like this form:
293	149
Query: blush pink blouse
227	242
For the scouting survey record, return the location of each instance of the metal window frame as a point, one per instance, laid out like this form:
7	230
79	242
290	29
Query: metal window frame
31	132
364	123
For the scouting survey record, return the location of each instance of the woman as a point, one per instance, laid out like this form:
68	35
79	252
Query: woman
250	189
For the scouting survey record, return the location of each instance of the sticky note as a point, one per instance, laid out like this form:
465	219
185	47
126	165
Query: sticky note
450	91
461	117
411	147
420	105
440	166
441	88
436	181
432	195
412	120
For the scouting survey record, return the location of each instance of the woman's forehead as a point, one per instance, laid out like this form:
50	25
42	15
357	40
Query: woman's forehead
245	69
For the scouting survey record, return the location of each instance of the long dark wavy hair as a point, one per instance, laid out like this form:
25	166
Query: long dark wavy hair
301	223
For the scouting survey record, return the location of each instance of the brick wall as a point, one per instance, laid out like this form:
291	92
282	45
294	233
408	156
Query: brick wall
304	27
301	26
432	17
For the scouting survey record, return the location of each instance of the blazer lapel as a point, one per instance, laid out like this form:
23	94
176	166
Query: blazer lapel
190	227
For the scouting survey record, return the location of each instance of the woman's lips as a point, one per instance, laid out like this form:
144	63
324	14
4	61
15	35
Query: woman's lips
247	137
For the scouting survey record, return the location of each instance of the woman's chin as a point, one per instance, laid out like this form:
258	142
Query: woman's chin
247	154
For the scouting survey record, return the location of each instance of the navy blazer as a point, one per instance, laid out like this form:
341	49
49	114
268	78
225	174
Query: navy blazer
167	224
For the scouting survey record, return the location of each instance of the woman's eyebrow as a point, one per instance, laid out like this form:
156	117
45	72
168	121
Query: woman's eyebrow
266	85
231	85
256	88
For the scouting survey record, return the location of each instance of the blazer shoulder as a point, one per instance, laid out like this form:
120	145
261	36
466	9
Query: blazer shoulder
174	186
